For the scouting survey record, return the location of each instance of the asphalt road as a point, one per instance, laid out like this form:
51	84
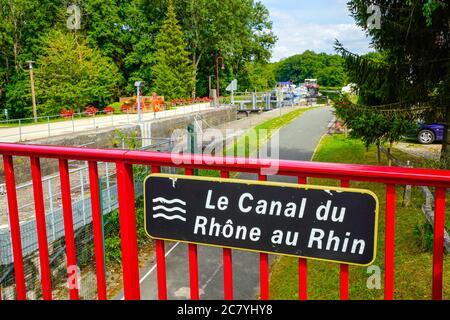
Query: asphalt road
298	141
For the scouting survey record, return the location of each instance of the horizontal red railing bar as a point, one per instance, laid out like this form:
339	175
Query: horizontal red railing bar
394	175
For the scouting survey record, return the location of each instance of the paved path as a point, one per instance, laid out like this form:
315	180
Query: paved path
51	129
297	142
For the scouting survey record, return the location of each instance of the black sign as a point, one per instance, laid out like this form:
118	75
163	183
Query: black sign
325	223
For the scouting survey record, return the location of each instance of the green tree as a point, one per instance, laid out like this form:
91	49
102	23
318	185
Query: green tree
329	70
71	75
410	77
173	72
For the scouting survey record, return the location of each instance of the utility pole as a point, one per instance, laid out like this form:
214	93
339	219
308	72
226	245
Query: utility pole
33	92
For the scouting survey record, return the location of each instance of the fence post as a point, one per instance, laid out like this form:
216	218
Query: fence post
14	227
127	217
408	189
108	186
20	130
83	207
48	125
73	125
50	199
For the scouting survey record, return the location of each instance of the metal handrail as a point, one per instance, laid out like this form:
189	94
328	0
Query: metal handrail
412	176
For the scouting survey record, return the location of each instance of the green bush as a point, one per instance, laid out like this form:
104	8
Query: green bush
116	106
113	249
424	236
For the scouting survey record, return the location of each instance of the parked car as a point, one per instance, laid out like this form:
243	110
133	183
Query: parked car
429	133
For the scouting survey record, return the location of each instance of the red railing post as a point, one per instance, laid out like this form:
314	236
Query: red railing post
438	248
97	226
264	266
161	269
127	217
344	267
72	271
14	227
193	263
302	265
161	260
227	262
389	242
41	227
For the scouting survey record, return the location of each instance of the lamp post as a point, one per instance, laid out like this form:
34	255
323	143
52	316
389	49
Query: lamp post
139	85
217	72
33	92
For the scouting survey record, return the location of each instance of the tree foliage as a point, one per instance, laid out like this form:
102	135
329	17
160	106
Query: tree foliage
328	69
173	71
124	31
71	75
410	76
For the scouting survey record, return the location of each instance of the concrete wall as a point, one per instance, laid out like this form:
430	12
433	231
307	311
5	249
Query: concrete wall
164	128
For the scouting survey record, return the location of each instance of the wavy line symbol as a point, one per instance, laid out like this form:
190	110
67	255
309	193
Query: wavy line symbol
170	218
166	201
169	209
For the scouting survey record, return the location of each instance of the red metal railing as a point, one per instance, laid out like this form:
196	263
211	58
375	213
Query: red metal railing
124	160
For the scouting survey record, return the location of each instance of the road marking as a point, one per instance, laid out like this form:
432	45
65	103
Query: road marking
212	277
154	267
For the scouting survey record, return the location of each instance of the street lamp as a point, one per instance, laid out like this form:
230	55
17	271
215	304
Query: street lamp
217	72
33	93
139	85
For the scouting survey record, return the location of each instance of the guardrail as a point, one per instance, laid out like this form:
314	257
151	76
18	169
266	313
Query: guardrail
124	160
17	130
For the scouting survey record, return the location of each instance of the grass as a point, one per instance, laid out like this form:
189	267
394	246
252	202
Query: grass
413	265
270	126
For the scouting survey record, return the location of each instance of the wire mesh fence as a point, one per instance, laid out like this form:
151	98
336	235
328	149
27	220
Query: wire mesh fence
82	219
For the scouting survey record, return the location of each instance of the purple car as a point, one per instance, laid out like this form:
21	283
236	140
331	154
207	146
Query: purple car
430	133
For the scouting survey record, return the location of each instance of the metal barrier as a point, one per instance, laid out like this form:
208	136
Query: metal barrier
15	130
124	160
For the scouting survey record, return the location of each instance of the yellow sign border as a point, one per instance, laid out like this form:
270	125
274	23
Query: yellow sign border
270	184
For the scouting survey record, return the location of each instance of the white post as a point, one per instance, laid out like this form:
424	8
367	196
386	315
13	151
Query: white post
108	186
50	199
82	196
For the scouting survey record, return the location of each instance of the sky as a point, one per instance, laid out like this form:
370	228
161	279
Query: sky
313	25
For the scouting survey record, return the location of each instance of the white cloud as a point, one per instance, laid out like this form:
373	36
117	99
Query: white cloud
295	36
